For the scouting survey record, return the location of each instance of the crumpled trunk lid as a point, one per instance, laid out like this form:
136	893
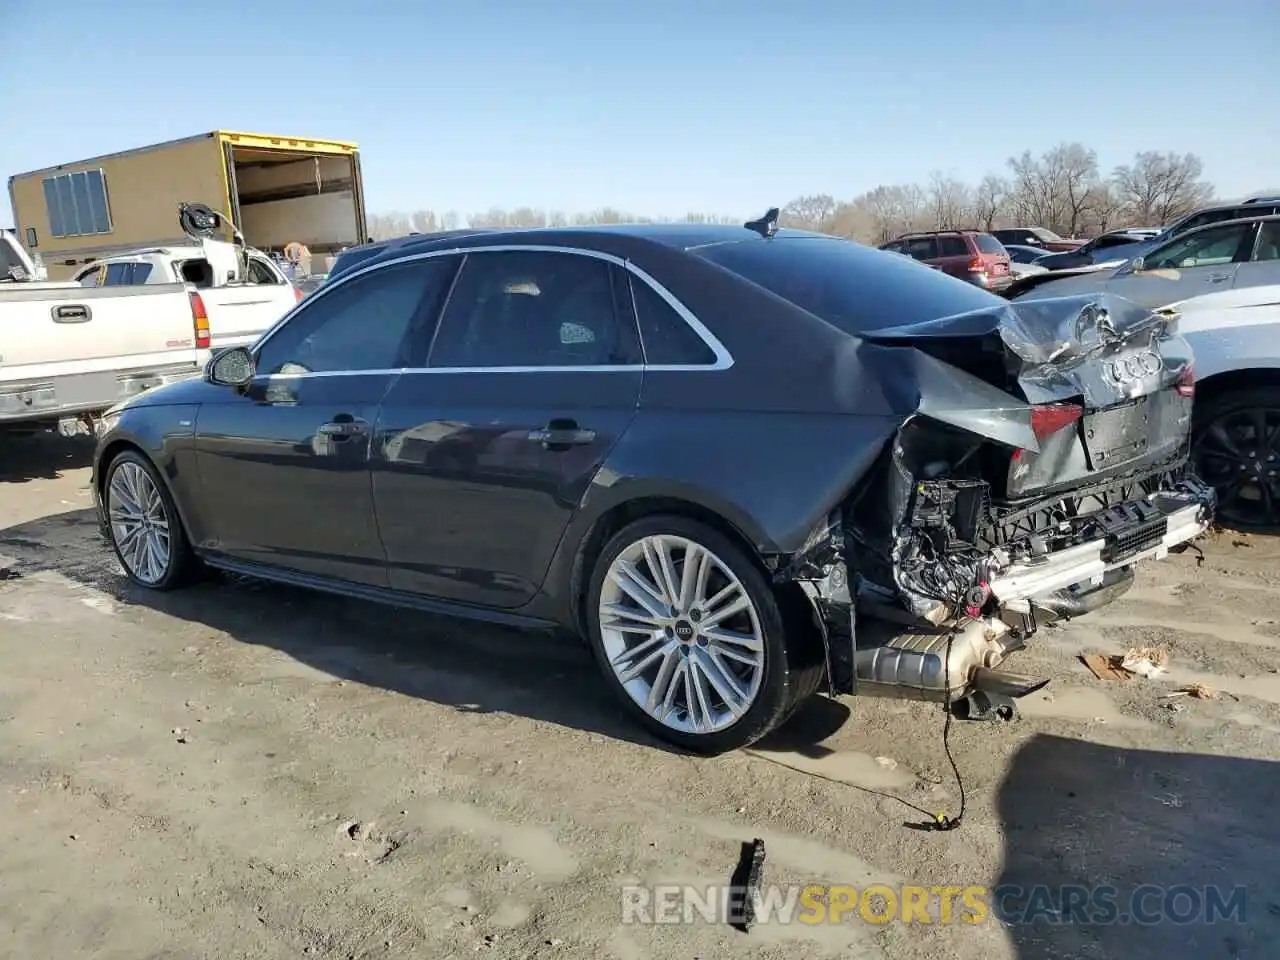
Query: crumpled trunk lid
1078	389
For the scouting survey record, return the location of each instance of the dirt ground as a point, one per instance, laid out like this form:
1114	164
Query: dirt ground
244	770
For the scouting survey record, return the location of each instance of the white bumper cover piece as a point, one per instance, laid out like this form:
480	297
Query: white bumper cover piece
1187	510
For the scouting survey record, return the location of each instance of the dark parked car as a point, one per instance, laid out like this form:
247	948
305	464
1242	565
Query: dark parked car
1035	237
1024	255
969	255
745	464
1125	245
1104	248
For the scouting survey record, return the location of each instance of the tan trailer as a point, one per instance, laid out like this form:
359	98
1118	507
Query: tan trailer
278	190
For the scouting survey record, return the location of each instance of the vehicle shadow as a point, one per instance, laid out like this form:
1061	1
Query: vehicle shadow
1174	842
472	667
43	456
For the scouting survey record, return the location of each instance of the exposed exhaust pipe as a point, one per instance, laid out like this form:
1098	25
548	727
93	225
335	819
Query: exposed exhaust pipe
916	664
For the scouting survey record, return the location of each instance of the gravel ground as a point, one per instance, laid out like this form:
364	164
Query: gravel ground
243	770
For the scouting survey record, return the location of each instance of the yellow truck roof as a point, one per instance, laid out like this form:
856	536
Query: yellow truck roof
254	141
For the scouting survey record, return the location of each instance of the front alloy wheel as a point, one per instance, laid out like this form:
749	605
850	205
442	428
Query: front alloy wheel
143	524
690	632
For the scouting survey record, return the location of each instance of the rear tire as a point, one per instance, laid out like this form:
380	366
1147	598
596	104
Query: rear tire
143	524
1233	450
699	659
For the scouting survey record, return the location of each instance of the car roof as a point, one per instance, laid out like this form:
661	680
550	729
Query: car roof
621	238
1260	218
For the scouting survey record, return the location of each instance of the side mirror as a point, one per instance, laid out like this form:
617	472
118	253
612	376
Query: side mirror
1137	265
232	367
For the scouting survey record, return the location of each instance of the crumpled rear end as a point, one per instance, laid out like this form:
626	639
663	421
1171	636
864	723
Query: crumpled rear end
1044	455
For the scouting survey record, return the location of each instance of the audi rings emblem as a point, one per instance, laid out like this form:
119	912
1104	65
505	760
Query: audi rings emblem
1135	367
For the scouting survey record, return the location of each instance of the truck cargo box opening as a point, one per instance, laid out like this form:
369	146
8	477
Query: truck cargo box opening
284	196
278	189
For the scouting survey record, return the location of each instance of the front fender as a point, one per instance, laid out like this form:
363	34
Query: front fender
166	435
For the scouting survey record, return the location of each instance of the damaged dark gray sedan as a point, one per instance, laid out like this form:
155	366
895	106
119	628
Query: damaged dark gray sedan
747	464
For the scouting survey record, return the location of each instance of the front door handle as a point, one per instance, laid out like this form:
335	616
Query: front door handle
342	429
562	433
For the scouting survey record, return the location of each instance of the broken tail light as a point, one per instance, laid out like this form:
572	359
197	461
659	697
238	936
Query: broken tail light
200	320
1186	382
1048	418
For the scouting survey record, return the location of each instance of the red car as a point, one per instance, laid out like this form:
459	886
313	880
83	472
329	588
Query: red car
972	256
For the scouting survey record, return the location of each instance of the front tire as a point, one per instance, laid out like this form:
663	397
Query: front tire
143	524
689	633
1235	447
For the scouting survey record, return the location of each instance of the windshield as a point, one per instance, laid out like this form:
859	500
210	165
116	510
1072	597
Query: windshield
1046	235
848	285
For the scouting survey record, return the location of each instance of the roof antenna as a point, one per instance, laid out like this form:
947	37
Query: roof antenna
767	225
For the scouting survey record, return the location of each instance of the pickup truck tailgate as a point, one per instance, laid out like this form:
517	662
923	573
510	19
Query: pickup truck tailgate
44	331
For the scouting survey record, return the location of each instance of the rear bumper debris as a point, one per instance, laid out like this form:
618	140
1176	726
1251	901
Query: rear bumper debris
874	650
1176	517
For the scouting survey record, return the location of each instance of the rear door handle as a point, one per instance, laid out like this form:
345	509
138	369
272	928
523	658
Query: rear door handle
72	313
1219	277
562	433
342	429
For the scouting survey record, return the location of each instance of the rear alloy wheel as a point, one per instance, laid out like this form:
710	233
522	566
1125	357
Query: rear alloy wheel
689	631
143	524
1236	449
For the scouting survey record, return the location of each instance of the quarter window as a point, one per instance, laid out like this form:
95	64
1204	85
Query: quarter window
667	339
360	325
536	309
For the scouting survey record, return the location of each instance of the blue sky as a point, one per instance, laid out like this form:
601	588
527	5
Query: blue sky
660	107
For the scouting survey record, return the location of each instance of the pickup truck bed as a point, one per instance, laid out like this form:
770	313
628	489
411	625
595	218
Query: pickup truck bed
70	352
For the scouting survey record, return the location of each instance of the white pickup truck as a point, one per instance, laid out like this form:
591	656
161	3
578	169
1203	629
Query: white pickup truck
69	351
239	310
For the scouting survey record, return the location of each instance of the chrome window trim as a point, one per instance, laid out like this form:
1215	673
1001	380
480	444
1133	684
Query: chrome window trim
723	361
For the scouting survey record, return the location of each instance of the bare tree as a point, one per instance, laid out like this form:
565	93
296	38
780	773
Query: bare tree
424	221
949	202
384	226
1054	190
1105	205
1061	189
989	201
1159	187
812	212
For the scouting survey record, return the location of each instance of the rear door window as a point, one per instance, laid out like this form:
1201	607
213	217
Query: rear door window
1268	247
921	248
989	244
521	308
848	285
118	274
